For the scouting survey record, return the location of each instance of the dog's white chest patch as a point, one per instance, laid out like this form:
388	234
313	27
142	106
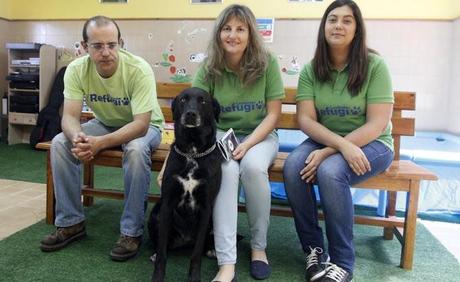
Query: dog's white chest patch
189	184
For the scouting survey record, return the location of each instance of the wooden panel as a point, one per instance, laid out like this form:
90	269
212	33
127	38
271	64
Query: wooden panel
290	92
396	113
410	225
393	179
50	201
288	120
170	90
404	100
403	126
167	113
397	146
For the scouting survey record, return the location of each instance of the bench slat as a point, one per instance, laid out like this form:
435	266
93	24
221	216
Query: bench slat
404	100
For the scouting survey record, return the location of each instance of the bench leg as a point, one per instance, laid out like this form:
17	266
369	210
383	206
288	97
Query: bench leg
410	225
50	201
390	212
88	183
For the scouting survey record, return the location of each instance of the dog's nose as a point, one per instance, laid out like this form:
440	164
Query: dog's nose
191	119
190	115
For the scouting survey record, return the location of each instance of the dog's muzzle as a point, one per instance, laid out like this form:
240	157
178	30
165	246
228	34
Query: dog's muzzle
190	119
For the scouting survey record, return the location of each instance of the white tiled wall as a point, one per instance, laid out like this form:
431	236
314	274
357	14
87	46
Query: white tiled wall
453	119
419	54
422	55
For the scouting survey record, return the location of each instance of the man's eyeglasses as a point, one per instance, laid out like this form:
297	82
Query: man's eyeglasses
101	46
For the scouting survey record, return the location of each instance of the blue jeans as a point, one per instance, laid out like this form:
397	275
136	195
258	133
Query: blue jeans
334	178
136	170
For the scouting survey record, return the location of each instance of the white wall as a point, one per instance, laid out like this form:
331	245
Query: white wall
453	118
419	54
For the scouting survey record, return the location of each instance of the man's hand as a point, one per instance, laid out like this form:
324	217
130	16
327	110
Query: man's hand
80	137
85	147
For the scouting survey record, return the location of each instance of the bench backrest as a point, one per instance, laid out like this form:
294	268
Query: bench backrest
402	126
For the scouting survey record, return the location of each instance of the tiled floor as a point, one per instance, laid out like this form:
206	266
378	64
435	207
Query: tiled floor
23	204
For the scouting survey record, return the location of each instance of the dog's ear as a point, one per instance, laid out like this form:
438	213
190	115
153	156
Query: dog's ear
216	108
174	107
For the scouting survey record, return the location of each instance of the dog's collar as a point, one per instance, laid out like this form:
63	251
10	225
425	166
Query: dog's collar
195	155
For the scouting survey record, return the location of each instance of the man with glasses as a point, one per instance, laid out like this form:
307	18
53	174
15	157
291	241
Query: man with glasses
121	91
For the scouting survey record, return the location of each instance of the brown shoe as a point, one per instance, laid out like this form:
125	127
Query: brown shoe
62	237
126	248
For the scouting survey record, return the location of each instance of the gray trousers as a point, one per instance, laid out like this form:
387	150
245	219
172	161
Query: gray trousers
252	170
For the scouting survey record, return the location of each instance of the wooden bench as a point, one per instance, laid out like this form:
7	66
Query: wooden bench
402	175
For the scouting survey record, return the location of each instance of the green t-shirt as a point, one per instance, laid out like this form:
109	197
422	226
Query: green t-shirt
131	90
243	108
336	108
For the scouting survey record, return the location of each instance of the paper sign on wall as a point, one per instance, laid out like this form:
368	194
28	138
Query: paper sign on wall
266	28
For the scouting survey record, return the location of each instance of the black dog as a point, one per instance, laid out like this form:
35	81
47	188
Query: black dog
191	181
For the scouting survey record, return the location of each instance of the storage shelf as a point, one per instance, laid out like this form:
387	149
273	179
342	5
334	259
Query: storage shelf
22	118
21	124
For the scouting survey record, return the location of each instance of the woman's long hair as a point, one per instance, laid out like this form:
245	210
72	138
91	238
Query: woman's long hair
255	57
358	58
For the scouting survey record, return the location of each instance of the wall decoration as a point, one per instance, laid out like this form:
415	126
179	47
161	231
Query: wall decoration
191	35
266	28
168	60
78	49
181	76
197	57
293	67
167	57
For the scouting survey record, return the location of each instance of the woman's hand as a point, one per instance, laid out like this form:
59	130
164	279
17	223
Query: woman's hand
240	151
355	157
308	173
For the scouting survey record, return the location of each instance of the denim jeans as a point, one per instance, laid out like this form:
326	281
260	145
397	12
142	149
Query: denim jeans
136	170
334	178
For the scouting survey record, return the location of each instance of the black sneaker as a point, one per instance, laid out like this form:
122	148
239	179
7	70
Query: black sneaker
126	248
335	273
63	236
315	268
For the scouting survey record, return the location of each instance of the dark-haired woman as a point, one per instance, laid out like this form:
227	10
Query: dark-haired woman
344	105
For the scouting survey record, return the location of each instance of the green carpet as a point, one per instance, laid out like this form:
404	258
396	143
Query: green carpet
88	260
20	162
21	259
